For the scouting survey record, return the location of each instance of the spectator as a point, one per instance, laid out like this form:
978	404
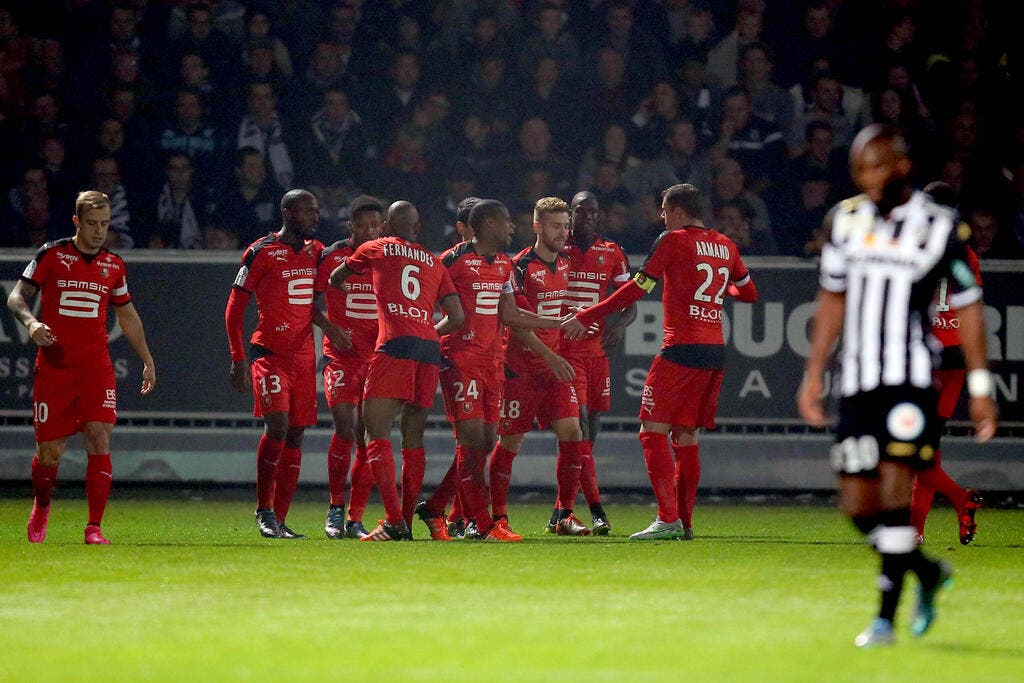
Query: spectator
14	57
249	208
645	224
734	219
135	162
993	238
489	90
261	129
771	102
552	101
534	153
608	186
729	183
191	134
652	118
183	211
333	147
215	47
755	143
820	157
723	59
393	100
549	39
258	31
29	212
61	178
826	96
815	40
463	30
612	96
440	216
477	147
701	98
680	163
804	235
644	56
106	178
614	148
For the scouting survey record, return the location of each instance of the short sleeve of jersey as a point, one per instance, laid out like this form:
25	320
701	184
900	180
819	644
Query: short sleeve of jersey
659	257
38	269
740	275
250	272
620	269
361	258
832	277
119	295
323	272
964	287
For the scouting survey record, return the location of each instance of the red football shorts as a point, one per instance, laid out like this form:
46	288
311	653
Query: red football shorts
66	398
472	392
406	380
539	395
593	382
344	381
285	384
950	384
680	395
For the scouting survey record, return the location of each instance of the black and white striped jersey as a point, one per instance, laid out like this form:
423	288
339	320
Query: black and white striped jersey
889	269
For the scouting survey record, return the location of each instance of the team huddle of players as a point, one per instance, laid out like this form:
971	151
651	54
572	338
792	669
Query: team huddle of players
500	354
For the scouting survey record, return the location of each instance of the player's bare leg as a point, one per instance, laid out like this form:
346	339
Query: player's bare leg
44	475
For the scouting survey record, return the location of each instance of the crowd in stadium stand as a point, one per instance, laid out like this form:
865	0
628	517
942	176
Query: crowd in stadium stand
194	117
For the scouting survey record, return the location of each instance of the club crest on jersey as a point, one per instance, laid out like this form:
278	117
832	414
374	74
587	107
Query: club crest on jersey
600	260
67	260
467	407
104	272
905	421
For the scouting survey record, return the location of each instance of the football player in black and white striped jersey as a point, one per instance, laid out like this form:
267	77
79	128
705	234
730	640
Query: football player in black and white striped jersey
886	252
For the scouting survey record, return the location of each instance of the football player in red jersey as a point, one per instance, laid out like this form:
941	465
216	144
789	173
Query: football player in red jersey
538	381
355	311
596	267
74	388
472	381
409	281
697	266
456	518
280	270
949	378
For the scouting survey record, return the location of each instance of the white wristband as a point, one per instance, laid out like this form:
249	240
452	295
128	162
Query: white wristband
979	383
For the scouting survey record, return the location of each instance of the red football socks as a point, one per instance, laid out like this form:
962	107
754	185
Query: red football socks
448	488
501	479
414	462
687	478
268	453
382	462
926	484
43	479
474	488
339	456
661	470
287	481
362	484
567	472
588	475
98	473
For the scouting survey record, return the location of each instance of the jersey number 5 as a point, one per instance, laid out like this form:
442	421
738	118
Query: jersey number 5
709	278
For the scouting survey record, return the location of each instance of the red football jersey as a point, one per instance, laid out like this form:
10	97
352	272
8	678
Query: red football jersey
593	274
409	281
695	266
282	279
542	288
945	321
480	283
74	290
354	310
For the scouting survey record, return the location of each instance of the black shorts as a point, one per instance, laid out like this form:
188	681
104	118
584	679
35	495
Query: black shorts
898	424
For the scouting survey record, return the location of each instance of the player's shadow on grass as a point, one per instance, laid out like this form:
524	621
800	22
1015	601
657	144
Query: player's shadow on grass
946	647
780	540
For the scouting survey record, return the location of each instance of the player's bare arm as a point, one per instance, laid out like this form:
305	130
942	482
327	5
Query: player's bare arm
828	323
514	316
558	365
455	317
17	302
333	332
983	408
131	325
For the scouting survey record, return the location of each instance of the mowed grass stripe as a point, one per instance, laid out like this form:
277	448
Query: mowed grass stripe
189	592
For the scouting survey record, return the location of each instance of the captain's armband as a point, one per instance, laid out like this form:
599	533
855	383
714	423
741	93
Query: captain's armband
645	281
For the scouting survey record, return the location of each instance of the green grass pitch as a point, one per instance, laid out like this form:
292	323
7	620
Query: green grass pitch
190	593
